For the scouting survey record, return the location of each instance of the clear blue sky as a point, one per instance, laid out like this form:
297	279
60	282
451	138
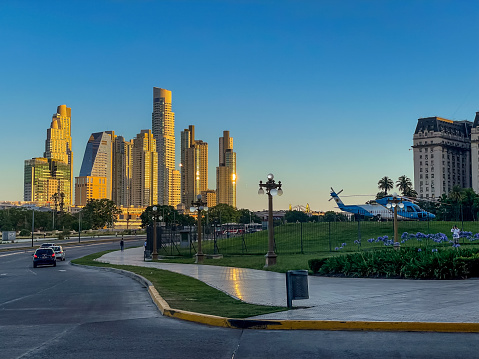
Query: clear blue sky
321	93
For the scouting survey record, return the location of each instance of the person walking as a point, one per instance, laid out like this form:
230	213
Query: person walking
122	245
455	234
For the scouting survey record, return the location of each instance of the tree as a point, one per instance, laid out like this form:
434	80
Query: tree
246	216
169	215
296	216
223	213
455	198
100	213
385	184
468	204
410	193
331	216
380	195
404	185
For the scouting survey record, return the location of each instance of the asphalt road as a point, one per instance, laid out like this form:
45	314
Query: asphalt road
73	312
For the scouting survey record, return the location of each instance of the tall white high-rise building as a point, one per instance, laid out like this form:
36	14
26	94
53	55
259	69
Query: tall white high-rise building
144	181
58	145
226	171
122	171
163	128
194	166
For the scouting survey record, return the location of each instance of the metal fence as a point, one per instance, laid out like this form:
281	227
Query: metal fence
309	237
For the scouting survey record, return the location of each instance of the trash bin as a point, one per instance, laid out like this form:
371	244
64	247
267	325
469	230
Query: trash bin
185	239
146	255
296	286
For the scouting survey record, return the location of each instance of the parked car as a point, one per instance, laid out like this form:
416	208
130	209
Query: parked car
47	245
44	256
59	252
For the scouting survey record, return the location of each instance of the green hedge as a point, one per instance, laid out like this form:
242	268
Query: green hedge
415	263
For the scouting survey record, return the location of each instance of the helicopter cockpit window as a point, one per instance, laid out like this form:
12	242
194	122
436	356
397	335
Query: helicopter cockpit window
416	207
410	209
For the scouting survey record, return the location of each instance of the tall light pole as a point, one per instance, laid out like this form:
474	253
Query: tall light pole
199	206
395	202
155	217
79	226
272	189
33	222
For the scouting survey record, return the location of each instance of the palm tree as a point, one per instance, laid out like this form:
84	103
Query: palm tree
404	185
385	184
456	196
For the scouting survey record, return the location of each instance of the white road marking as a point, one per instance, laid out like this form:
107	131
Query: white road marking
9	254
62	270
31	271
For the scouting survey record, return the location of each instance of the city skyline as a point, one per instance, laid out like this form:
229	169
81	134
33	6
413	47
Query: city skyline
330	99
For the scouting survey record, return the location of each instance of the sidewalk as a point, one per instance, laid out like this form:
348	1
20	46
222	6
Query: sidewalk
339	299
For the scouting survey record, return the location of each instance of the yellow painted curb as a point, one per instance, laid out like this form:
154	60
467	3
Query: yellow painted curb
309	324
213	320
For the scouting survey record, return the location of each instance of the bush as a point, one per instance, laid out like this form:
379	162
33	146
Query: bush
412	263
24	233
468	265
316	264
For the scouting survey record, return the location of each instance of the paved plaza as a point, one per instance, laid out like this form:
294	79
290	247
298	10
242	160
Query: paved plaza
341	299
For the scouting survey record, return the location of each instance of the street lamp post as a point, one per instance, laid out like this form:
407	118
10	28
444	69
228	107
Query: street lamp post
395	202
272	189
33	223
79	226
155	247
199	206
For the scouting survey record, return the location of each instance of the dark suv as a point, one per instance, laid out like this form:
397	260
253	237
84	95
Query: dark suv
44	256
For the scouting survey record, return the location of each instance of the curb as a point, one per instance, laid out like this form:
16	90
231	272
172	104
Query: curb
213	320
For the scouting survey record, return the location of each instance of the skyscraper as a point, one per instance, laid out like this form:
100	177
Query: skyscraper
46	180
95	180
194	166
122	171
163	128
475	154
51	177
442	156
226	171
144	181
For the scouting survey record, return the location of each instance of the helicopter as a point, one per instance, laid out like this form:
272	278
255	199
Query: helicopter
384	209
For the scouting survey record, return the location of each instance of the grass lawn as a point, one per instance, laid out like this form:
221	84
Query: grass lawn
319	238
186	293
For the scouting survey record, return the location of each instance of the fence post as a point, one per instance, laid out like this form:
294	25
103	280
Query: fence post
214	240
302	238
329	235
359	227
